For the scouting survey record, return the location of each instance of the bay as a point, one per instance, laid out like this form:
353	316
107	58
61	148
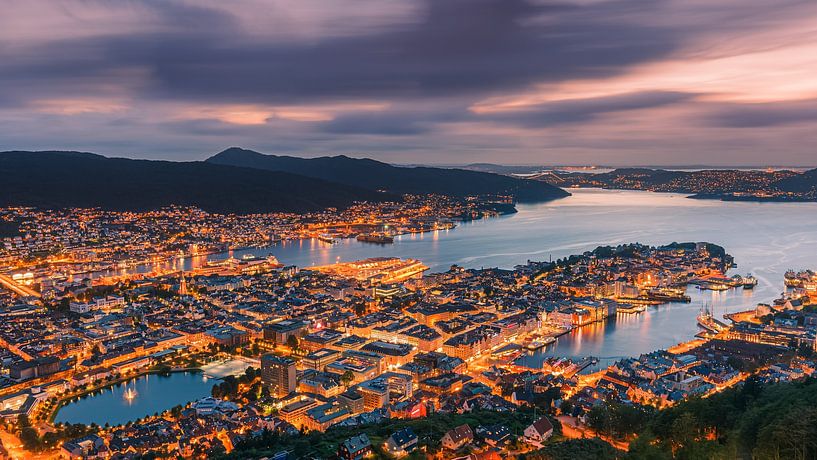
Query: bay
766	239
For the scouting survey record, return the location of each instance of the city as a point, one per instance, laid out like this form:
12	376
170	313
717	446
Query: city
281	353
408	229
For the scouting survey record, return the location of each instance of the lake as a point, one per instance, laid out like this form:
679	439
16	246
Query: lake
153	393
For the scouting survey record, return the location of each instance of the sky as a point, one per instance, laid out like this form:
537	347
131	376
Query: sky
566	82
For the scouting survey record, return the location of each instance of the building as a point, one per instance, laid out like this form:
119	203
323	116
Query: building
393	354
227	336
281	331
538	432
319	359
278	373
320	339
355	448
402	442
294	413
320	383
39	367
353	400
473	343
495	435
375	394
90	446
321	417
458	437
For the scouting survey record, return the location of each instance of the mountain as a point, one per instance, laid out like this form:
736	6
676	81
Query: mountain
375	175
55	179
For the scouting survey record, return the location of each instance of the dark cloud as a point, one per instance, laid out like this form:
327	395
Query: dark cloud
765	115
460	47
398	121
457	47
170	79
580	110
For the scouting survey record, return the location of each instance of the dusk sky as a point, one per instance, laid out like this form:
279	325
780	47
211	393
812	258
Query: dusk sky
614	82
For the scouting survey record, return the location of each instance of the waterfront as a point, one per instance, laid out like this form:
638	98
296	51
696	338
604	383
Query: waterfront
766	239
153	393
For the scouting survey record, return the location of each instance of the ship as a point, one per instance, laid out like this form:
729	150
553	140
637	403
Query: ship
794	280
375	238
327	238
749	282
708	322
539	343
628	308
713	287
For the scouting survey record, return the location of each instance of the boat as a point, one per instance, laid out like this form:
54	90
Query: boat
375	238
794	280
713	287
749	282
631	309
327	238
539	343
709	323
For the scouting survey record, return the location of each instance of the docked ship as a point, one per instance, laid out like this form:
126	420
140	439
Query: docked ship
668	295
708	322
713	287
749	282
793	279
629	308
375	238
539	343
327	238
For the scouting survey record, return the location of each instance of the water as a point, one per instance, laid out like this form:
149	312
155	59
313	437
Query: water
765	238
154	393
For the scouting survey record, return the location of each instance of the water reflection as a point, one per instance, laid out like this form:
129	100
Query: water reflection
135	399
764	238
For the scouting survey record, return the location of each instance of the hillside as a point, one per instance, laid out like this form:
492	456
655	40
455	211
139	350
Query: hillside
56	179
726	184
753	420
376	175
803	183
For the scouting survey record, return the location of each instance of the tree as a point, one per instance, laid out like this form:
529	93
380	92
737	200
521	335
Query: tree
685	430
293	343
347	378
600	419
30	438
590	449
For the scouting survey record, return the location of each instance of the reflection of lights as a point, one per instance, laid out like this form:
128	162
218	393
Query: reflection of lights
130	394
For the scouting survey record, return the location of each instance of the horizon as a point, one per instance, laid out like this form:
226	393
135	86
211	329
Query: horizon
611	82
588	166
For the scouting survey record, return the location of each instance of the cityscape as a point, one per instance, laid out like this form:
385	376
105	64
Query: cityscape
426	229
102	309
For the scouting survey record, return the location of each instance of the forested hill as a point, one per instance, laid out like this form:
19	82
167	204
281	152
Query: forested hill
55	179
376	175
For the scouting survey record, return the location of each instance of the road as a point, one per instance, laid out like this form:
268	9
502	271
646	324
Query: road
17	288
16	451
570	429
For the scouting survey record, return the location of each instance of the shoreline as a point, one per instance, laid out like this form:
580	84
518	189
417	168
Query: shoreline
66	400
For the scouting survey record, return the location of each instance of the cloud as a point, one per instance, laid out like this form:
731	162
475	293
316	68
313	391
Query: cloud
766	115
413	81
581	110
452	47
